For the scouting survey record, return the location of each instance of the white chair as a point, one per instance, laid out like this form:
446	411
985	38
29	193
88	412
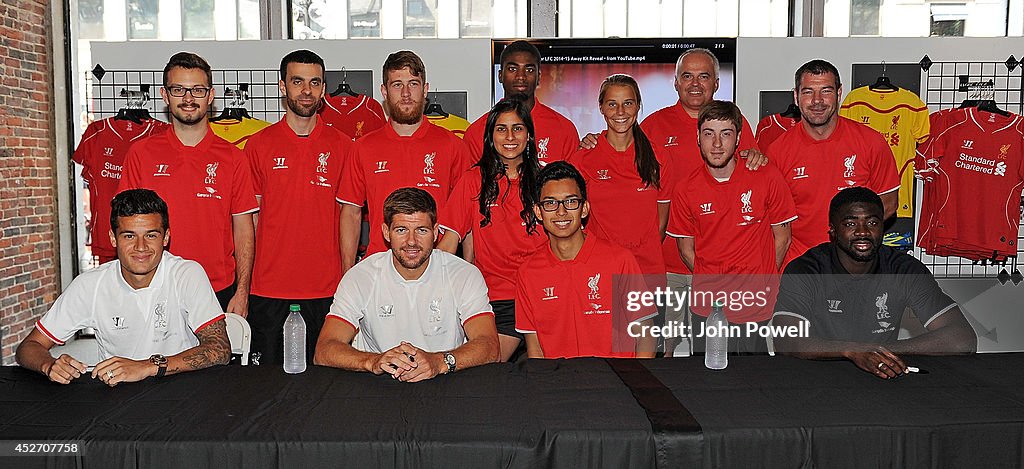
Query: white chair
239	334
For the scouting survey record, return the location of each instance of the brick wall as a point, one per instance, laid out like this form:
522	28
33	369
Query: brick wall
29	280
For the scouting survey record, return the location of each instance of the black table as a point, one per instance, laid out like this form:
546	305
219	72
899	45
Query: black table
760	412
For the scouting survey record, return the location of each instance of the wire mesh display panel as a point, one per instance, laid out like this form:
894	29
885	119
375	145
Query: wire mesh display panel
105	98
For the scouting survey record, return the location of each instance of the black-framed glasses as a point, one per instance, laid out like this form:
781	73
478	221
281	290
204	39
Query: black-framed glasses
195	91
551	205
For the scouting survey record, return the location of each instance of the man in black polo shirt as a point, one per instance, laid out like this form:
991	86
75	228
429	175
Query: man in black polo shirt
853	290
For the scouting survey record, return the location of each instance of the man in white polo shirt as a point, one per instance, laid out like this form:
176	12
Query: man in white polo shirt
154	313
420	311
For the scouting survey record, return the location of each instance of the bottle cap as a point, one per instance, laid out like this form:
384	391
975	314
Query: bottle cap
293	308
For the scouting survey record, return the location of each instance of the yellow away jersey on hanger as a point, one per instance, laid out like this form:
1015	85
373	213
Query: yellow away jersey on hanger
237	132
902	118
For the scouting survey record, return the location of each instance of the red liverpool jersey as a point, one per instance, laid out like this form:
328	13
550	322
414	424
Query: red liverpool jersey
624	210
978	174
557	137
674	134
501	246
354	115
815	170
771	127
204	186
298	252
731	226
432	159
101	154
569	304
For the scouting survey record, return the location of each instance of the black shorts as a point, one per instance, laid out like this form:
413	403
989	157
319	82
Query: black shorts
505	317
267	316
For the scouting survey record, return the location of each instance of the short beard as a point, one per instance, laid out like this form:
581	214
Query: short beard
724	164
410	118
409	265
193	121
301	111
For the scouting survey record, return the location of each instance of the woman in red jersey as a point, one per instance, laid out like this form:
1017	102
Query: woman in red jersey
628	186
486	206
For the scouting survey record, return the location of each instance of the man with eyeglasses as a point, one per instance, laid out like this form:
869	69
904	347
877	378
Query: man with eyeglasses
205	180
565	293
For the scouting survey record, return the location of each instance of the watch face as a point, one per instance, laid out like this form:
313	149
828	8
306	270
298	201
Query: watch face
158	359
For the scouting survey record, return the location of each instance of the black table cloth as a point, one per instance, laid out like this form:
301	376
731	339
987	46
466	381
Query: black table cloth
759	412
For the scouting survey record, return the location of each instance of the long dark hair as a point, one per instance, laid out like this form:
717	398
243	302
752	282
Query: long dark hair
646	163
492	169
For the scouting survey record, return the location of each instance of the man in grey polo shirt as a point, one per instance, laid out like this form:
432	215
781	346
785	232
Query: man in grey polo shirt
419	312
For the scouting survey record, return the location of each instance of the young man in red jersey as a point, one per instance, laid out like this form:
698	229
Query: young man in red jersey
205	180
827	153
557	137
565	295
296	166
408	152
729	220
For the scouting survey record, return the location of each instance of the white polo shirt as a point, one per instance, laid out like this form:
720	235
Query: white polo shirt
135	324
428	312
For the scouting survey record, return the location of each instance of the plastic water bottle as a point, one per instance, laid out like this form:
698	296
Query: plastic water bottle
716	347
294	342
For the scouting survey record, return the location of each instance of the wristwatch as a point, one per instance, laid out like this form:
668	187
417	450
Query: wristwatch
449	360
161	362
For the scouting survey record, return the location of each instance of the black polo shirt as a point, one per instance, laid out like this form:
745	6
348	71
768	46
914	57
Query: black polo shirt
866	308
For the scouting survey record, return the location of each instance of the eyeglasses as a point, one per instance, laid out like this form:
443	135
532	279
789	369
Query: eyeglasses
195	91
551	205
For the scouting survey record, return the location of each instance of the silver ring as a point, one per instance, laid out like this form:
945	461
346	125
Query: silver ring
110	374
880	365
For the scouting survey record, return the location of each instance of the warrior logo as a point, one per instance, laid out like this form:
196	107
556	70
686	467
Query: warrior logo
108	151
118	322
801	172
279	163
833	306
602	174
382	167
968	144
549	293
705	209
161	170
671	142
386	311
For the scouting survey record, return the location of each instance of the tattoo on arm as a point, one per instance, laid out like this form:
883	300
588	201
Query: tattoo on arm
213	349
